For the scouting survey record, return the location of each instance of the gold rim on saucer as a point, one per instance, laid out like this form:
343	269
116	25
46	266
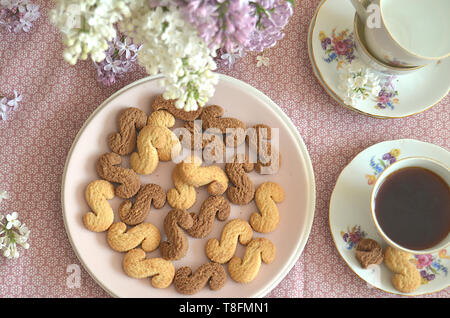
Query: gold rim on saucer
331	92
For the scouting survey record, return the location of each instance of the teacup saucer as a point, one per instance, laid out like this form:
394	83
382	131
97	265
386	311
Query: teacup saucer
407	95
350	218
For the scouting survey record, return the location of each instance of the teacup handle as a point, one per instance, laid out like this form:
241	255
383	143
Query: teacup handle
361	8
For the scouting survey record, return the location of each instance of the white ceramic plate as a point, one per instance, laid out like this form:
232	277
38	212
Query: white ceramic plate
239	100
350	217
411	93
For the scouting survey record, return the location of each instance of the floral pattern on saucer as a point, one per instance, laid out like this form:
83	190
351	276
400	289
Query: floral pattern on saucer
388	95
378	165
339	47
353	236
430	266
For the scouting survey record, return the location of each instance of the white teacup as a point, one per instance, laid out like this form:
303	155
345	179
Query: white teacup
372	61
406	32
422	162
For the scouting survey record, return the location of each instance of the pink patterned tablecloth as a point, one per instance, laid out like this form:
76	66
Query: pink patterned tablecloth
58	98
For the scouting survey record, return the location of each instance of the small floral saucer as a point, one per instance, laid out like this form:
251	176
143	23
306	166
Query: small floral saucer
350	218
332	50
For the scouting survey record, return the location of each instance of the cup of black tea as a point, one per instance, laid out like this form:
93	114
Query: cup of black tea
410	205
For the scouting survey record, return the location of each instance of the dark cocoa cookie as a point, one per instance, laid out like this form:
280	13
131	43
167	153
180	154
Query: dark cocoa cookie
124	142
136	213
108	167
189	283
214	206
268	158
243	190
177	243
369	252
212	118
169	105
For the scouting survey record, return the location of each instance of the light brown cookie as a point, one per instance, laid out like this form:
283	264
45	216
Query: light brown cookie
268	157
155	142
245	270
192	173
214	206
183	195
136	265
108	167
234	231
233	128
243	190
136	213
160	103
121	240
163	139
146	159
369	252
124	142
189	283
102	216
268	217
177	243
406	277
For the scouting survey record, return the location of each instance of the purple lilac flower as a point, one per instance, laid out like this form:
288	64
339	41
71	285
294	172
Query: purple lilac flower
221	23
272	17
228	59
18	15
120	56
9	105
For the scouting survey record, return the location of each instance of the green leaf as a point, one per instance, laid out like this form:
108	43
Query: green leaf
382	163
292	2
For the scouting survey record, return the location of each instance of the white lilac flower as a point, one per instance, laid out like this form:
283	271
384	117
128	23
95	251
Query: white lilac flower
262	60
13	103
12	234
3	195
357	82
88	26
4	108
8	105
12	220
171	46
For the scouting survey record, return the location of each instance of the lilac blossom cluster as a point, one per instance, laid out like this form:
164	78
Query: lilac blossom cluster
120	56
8	105
18	15
236	26
179	38
273	16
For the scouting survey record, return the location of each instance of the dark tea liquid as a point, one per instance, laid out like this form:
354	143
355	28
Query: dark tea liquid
412	207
